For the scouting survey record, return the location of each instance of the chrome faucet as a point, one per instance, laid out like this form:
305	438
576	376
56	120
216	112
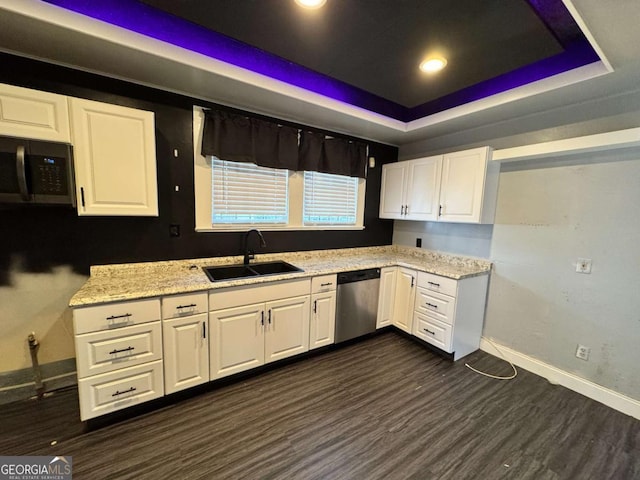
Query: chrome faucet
249	254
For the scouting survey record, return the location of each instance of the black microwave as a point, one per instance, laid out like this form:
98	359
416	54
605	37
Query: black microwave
36	172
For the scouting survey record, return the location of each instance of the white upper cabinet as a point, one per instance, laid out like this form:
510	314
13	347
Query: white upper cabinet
468	189
457	187
410	189
393	190
33	114
115	158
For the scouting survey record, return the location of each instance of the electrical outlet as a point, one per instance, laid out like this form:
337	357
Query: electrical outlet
583	265
583	352
418	242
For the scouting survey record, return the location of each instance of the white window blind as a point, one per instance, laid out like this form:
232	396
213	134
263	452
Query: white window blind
243	193
329	199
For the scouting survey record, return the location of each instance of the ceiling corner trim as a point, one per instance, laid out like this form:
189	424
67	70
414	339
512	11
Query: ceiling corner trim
587	33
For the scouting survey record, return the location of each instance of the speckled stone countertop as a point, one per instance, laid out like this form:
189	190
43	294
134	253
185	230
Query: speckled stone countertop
109	283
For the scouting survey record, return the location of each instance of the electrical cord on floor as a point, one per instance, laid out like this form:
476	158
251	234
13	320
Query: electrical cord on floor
511	377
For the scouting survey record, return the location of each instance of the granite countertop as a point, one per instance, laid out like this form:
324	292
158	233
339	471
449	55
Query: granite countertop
109	283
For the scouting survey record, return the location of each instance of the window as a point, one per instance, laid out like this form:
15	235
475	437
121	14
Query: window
243	193
235	196
329	199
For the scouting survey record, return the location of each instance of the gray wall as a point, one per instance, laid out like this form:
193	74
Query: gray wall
549	213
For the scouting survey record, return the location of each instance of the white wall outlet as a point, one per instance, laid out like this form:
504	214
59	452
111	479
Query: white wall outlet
583	352
583	265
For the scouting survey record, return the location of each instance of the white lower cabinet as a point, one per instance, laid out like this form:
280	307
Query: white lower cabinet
405	295
322	324
451	321
185	328
119	357
186	352
387	296
246	336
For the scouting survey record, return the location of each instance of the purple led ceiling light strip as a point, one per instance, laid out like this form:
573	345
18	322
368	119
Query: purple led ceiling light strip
154	23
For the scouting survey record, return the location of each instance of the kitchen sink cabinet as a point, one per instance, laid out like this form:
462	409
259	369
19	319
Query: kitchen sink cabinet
449	314
186	347
27	113
115	159
244	336
456	187
322	323
386	297
404	299
410	189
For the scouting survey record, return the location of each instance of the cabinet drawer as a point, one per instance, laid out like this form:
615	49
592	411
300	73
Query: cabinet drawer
325	283
183	305
435	304
110	350
123	388
436	283
433	331
115	315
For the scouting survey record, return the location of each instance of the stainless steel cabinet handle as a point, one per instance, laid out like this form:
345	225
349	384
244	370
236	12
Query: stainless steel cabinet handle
429	331
22	174
401	209
440	211
132	389
406	209
128	349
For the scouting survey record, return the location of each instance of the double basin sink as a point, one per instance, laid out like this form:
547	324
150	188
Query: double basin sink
231	272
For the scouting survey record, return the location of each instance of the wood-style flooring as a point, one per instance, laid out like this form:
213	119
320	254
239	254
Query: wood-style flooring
383	408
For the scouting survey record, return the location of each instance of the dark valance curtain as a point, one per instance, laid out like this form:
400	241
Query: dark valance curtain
320	153
239	138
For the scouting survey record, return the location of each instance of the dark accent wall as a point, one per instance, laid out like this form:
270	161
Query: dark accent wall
44	237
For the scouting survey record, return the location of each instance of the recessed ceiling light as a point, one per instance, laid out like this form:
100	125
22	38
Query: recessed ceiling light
434	64
311	3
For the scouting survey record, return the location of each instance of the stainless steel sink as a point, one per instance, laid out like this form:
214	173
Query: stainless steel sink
231	272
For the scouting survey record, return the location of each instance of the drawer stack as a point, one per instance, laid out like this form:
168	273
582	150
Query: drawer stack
118	355
449	313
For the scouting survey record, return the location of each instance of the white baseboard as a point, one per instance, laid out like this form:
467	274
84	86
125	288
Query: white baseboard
610	398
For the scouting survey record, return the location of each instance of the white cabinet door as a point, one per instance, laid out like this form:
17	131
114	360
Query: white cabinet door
323	319
236	341
386	298
463	181
405	297
115	157
186	352
393	189
33	114
286	328
423	189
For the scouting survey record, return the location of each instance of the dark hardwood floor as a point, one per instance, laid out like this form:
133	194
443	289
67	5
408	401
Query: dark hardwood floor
384	408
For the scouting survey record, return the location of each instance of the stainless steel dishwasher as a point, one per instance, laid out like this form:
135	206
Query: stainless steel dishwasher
356	303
